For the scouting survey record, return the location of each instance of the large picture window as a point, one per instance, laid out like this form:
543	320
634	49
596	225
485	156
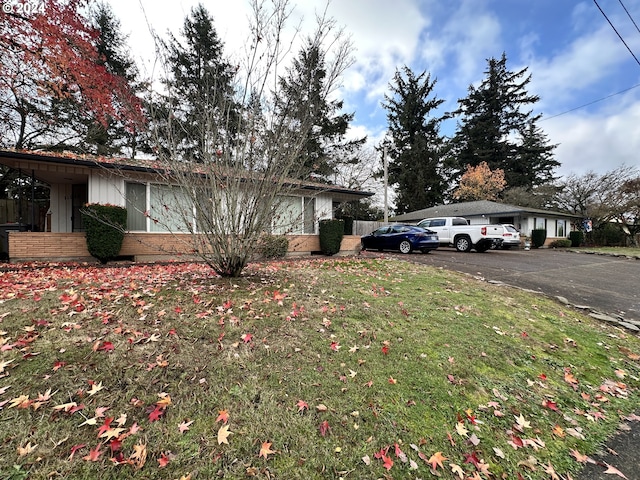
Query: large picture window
157	208
295	215
561	228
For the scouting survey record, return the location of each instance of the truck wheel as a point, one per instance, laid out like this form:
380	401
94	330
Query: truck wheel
463	243
405	246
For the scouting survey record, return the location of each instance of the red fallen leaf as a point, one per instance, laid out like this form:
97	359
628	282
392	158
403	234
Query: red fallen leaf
115	445
156	413
223	416
105	426
94	454
302	406
542	377
106	347
247	337
516	442
550	405
163	461
451	379
335	346
324	428
471	458
385	349
74	449
387	462
58	365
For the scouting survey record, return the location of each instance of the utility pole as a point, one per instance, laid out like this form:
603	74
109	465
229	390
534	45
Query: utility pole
386	182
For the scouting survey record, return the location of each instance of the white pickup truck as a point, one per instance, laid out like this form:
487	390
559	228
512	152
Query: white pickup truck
456	231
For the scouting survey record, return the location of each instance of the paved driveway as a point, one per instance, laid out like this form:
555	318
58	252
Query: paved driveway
605	283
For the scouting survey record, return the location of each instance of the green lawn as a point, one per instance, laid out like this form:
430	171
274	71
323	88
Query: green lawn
626	251
311	369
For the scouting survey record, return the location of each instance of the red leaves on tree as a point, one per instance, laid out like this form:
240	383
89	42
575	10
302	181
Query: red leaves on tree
52	53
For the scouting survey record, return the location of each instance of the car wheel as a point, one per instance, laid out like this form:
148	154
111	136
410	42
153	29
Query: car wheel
405	246
463	243
426	250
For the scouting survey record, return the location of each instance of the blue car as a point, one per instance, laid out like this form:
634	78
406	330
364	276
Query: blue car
405	238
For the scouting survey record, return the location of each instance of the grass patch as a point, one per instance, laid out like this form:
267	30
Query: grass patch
623	251
338	368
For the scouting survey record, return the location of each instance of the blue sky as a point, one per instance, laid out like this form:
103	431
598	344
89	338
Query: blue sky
572	53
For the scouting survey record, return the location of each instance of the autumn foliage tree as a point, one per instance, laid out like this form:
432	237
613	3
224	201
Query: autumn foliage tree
480	183
49	68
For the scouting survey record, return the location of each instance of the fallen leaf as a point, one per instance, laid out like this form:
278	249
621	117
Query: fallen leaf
436	460
94	454
26	450
613	471
223	434
265	450
223	416
184	426
139	456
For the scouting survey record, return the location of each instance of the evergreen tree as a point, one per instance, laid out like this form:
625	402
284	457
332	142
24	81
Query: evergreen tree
416	146
496	128
200	112
113	136
305	92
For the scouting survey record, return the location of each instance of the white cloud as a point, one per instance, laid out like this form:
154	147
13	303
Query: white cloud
597	142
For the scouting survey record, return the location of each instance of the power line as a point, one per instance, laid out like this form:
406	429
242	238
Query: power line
629	15
590	103
617	33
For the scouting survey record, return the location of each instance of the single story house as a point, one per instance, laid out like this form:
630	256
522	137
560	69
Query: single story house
75	180
557	224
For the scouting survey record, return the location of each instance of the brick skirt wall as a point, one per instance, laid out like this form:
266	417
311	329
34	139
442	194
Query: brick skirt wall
45	246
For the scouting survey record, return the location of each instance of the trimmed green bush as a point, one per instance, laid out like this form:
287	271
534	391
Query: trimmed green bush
273	246
105	226
561	243
331	233
538	237
576	238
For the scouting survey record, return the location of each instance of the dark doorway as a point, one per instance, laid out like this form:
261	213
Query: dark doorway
79	198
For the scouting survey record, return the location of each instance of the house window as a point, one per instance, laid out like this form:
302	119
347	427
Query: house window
560	228
171	209
540	223
309	216
295	215
136	207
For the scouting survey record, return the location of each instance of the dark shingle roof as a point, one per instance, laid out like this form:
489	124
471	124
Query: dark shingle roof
475	209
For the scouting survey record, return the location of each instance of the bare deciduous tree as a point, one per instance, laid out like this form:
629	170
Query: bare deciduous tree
611	197
240	184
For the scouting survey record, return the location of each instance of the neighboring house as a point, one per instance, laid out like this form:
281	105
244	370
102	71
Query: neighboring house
557	224
75	180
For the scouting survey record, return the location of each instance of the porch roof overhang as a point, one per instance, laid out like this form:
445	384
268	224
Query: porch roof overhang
70	168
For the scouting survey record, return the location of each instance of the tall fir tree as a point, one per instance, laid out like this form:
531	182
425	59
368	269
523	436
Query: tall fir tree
416	146
113	137
306	94
200	111
496	126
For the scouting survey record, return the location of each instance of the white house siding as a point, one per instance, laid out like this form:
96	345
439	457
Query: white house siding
324	206
105	188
